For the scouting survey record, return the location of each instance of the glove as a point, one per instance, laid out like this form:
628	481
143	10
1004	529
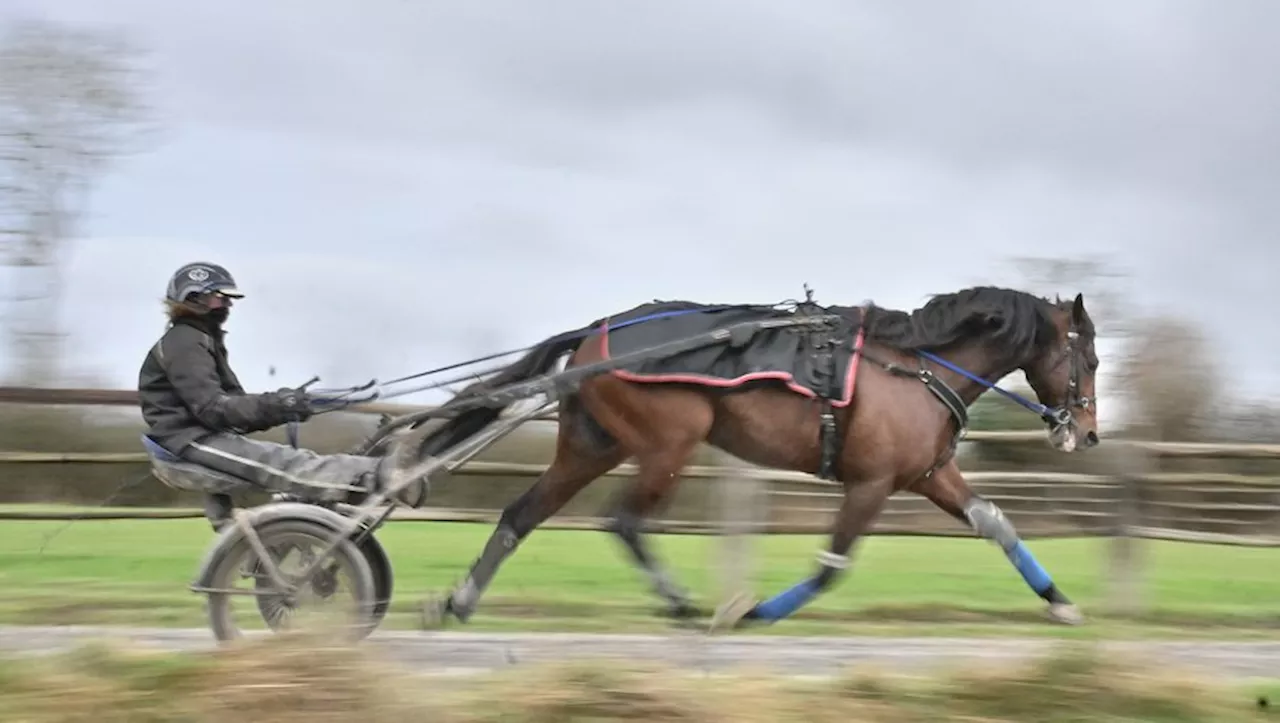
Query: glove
289	405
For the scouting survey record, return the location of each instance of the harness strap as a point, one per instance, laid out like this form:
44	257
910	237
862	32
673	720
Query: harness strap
945	394
829	441
830	386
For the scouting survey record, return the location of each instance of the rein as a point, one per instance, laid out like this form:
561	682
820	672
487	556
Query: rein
332	400
1054	416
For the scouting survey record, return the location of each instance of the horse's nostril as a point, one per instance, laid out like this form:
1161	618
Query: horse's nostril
1091	438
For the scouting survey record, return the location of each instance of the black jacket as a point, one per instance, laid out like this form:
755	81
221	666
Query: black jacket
187	390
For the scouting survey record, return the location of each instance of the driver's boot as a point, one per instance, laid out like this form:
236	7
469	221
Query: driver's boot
413	494
218	509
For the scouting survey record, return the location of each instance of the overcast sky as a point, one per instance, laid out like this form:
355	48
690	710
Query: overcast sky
399	184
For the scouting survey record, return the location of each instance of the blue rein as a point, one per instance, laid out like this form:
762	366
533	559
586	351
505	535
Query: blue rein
341	399
332	400
1055	415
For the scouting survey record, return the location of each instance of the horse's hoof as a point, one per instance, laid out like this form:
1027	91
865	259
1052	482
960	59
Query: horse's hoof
1065	613
434	611
685	611
730	614
686	624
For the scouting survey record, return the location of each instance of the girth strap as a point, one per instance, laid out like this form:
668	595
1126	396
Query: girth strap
829	387
831	443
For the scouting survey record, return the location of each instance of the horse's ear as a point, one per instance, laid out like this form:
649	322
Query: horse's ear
1077	309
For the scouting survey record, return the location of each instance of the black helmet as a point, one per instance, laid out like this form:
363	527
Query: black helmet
199	278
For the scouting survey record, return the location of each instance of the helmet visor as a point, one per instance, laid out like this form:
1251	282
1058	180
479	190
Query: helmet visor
228	290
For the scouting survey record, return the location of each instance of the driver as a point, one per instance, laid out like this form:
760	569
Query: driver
194	405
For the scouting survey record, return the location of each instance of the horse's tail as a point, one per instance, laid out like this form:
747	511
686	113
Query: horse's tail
537	361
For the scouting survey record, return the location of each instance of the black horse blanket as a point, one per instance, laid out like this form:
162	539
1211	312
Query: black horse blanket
812	361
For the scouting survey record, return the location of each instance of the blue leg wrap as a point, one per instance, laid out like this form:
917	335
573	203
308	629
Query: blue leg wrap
1030	568
787	602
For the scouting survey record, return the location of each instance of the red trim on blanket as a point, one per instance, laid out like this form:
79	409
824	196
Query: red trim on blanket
851	376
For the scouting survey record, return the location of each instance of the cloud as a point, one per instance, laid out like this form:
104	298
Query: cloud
410	183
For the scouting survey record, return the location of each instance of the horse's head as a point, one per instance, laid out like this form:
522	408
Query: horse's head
1062	375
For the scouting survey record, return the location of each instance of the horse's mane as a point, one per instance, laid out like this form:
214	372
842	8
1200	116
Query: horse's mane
1016	320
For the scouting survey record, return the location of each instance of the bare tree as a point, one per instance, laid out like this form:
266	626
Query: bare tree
71	103
1166	371
1172	380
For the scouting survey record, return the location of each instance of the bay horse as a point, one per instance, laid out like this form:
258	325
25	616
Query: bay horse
916	373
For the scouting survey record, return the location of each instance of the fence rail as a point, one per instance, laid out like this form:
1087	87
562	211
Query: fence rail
1227	508
1214	507
125	398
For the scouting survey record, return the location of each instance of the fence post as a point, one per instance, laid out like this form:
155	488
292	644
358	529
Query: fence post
742	500
1125	556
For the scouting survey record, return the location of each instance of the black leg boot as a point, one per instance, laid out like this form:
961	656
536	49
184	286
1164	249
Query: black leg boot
217	509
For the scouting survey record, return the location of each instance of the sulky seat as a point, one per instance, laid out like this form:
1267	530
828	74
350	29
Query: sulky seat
188	476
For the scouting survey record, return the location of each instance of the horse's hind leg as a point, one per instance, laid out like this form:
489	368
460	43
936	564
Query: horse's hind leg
581	456
948	490
660	426
659	473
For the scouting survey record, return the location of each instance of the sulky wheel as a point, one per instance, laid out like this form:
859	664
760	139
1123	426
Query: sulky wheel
383	578
341	596
275	609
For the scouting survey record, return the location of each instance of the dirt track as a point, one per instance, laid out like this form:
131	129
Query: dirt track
459	653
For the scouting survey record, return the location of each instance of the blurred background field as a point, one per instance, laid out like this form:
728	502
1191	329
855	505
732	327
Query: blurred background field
923	574
121	573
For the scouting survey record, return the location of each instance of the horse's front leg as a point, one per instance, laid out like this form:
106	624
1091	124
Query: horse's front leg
570	471
948	490
862	502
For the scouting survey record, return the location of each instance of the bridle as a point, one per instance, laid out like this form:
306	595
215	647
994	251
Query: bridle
1058	417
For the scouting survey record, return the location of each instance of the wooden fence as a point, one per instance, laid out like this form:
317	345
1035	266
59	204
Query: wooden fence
1203	507
1130	501
1124	502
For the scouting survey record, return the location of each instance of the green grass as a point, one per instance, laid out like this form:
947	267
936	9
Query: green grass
126	572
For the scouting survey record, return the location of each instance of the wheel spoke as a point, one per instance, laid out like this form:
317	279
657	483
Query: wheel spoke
341	594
